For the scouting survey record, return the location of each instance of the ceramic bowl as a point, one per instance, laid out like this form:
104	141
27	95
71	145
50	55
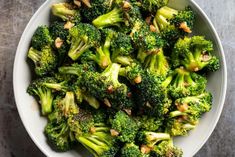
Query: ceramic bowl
34	123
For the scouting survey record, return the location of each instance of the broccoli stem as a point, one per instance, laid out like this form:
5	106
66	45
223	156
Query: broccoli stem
46	99
111	18
70	70
56	86
112	71
153	137
189	126
34	55
123	60
62	11
163	16
176	114
141	56
103	58
92	101
77	48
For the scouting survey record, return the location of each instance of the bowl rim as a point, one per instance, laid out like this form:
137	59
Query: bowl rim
223	89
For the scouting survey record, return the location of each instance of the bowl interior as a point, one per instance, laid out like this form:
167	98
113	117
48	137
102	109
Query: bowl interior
34	123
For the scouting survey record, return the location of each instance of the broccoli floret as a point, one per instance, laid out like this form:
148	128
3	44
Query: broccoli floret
132	72
122	49
57	130
149	93
107	88
67	12
153	5
125	127
150	138
99	142
59	136
77	69
102	54
112	18
57	85
182	20
81	123
59	35
130	150
157	64
83	37
151	96
41	38
177	126
145	41
98	7
195	54
183	83
82	95
44	94
166	149
45	60
149	123
192	107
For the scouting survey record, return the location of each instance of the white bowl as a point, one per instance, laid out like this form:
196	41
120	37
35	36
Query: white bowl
34	123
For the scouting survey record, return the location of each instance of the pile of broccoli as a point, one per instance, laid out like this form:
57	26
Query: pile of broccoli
122	78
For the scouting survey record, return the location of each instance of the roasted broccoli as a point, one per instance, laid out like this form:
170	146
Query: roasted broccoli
122	49
67	12
153	5
130	150
57	130
41	38
123	127
122	78
45	60
45	95
181	83
150	138
83	37
102	53
195	54
166	149
106	87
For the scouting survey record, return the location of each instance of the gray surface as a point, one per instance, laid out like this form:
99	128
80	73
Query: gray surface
14	141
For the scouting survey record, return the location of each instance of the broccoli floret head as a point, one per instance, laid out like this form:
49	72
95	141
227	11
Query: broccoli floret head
177	126
81	123
195	54
124	127
157	64
83	37
184	83
192	107
98	7
112	18
45	60
153	5
150	95
59	35
44	94
67	12
130	150
182	20
166	149
59	136
102	53
149	123
107	87
121	46
41	38
99	142
150	138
